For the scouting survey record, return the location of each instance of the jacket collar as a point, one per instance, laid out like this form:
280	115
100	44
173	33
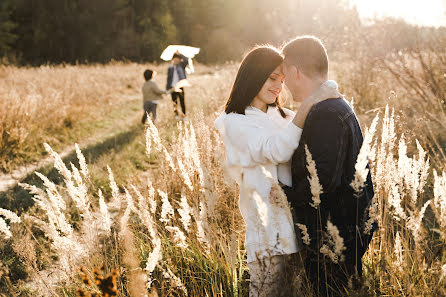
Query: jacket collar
255	112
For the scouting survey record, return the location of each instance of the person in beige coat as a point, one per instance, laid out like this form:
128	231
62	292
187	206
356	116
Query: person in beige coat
151	93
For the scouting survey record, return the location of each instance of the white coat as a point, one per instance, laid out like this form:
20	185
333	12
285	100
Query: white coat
252	141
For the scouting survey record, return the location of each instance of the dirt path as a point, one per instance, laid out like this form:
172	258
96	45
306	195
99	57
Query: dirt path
120	126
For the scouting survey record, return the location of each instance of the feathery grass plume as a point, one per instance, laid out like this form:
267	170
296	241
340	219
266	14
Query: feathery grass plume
151	198
82	162
414	222
373	216
184	212
105	215
440	199
53	206
152	261
123	222
147	219
136	278
404	164
116	200
194	146
361	170
388	130
394	199
175	281
399	252
68	248
51	190
201	220
423	167
148	142
168	158
335	244
210	194
184	174
315	186
79	194
4	228
413	171
166	208
12	217
305	236
443	272
277	196
385	160
153	134
58	163
178	236
76	174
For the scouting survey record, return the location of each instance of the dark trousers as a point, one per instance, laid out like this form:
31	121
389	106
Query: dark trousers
330	279
175	96
149	108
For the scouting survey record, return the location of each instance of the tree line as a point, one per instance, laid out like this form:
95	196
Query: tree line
70	31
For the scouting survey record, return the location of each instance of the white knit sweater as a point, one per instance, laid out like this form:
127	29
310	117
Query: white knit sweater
252	141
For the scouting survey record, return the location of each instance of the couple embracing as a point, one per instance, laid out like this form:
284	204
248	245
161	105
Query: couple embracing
308	227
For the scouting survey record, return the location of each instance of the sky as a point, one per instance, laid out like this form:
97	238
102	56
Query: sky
420	12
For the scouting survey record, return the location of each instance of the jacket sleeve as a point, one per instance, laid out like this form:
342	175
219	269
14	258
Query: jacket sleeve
259	147
157	90
169	77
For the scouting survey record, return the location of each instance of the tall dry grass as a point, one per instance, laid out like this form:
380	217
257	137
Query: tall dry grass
176	230
44	104
181	232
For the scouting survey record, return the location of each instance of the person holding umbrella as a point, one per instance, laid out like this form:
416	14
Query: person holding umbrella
176	73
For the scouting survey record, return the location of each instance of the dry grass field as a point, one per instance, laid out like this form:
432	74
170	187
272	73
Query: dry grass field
155	214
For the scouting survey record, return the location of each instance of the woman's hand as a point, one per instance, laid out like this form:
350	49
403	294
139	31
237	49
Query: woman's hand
328	90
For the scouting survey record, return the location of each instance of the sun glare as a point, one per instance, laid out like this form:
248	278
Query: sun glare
420	12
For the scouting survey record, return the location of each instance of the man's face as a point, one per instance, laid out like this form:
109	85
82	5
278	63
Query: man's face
176	61
294	80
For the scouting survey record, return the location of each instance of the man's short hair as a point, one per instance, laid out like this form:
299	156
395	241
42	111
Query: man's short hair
148	74
308	54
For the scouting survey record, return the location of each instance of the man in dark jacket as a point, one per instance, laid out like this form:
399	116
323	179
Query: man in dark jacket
333	137
175	73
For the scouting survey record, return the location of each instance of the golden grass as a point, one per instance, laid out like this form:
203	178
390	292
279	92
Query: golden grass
183	220
44	104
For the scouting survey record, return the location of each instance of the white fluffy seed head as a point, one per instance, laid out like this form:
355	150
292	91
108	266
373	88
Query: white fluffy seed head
166	208
315	186
304	232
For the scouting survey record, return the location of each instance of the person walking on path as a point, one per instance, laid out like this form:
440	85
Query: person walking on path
175	73
151	93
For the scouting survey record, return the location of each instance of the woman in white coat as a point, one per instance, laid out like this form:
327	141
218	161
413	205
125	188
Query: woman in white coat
260	138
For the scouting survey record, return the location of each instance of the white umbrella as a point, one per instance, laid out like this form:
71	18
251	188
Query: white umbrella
188	51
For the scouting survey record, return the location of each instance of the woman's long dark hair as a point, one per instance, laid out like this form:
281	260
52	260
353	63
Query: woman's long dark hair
252	74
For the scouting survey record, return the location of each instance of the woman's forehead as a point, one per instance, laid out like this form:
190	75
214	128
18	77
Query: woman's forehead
278	70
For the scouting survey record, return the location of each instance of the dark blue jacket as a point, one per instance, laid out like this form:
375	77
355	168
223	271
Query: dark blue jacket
181	68
334	138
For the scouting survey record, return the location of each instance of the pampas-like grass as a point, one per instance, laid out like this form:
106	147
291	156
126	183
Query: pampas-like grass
185	239
315	186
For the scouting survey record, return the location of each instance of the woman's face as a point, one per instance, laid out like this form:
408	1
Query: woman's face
272	87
